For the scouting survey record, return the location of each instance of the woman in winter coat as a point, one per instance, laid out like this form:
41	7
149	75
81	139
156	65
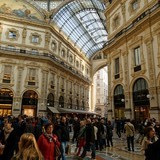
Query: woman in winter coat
47	142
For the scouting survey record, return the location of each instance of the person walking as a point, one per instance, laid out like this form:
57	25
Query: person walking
130	131
90	140
28	148
47	142
64	136
109	134
81	137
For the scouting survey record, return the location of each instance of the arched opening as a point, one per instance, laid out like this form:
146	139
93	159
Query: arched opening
61	102
6	101
119	102
29	103
50	100
100	91
140	100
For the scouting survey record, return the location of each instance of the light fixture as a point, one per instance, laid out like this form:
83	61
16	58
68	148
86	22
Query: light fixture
122	100
150	97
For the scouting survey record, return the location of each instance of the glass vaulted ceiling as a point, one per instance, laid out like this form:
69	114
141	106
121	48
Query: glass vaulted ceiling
83	22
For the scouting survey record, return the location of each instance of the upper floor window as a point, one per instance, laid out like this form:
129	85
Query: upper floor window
117	65
77	63
63	54
62	83
32	74
12	34
7	74
137	56
52	81
53	45
116	21
35	39
135	5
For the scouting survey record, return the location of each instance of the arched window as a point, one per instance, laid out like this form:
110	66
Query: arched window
140	100
29	103
140	92
119	96
61	102
50	100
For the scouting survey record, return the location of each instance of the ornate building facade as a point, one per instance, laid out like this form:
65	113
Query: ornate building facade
39	68
132	52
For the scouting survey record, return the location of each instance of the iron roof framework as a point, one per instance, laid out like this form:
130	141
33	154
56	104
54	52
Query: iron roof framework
83	22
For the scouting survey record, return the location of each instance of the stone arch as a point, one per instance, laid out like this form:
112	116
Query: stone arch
134	80
50	100
29	103
6	101
98	66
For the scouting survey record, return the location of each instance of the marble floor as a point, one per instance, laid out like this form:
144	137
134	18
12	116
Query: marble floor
117	152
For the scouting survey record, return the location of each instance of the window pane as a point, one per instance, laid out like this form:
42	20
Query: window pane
116	65
137	57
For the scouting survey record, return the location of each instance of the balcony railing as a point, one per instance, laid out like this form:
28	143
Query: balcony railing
48	55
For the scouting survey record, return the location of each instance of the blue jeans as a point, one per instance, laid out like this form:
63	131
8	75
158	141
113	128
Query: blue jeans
64	144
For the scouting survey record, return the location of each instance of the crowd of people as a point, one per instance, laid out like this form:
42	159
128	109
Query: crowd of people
37	138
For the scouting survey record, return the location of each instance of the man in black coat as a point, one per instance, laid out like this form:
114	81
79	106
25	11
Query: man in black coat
90	140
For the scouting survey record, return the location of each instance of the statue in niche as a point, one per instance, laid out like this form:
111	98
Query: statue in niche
48	16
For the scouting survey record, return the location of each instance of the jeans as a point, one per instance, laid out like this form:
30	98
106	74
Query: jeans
64	144
130	141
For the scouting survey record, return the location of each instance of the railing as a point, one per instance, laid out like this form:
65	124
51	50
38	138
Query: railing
142	16
48	55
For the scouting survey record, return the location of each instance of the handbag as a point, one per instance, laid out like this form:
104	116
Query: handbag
57	151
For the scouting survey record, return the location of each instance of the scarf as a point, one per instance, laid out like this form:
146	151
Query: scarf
7	132
49	137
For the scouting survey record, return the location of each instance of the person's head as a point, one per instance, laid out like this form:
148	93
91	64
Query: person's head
102	121
28	147
82	123
63	119
150	132
49	128
109	122
88	121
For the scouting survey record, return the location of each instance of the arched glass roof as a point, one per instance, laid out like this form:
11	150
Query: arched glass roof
83	22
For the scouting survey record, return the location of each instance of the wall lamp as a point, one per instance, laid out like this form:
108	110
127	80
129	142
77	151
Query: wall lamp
150	97
122	100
